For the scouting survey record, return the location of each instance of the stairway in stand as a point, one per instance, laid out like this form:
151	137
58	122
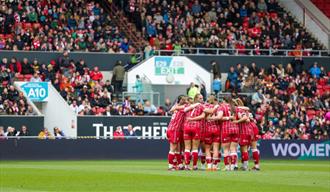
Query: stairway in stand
125	26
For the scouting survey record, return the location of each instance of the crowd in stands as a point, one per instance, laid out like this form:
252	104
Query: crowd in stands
44	25
233	24
288	102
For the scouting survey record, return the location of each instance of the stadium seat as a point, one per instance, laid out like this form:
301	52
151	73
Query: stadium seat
27	77
20	77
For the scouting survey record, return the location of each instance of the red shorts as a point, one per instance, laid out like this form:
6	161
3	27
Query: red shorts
256	135
245	140
212	136
228	138
255	138
191	133
174	136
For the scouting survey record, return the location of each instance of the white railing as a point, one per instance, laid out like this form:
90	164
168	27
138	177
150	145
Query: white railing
243	52
144	96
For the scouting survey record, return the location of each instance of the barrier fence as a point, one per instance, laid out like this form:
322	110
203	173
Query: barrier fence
86	148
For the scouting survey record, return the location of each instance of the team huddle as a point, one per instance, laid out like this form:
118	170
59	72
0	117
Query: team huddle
210	127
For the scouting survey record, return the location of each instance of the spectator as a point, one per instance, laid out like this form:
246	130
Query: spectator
36	77
11	132
118	134
118	74
138	89
216	85
139	110
192	90
96	75
149	108
26	67
315	71
74	107
215	69
129	132
45	134
232	78
24	131
58	133
2	133
168	106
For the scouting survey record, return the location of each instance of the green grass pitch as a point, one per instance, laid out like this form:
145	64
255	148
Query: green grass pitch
146	175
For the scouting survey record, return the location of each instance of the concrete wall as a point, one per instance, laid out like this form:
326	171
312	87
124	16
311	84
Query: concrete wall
224	62
58	113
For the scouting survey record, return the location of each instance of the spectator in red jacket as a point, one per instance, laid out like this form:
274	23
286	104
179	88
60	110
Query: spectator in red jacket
119	134
15	66
96	75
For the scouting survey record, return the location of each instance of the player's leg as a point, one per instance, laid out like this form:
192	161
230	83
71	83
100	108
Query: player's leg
245	157
216	160
178	157
171	156
203	155
208	156
255	155
194	152
226	152
187	145
233	154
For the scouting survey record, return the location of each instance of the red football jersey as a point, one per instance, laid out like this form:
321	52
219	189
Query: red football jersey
245	128
177	120
197	111
211	124
227	127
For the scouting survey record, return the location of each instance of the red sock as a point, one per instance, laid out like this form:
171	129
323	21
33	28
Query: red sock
195	157
171	157
178	158
255	155
208	160
233	158
245	156
219	158
203	157
215	161
187	157
226	160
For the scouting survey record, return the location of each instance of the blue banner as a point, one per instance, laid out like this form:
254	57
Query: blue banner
294	149
36	91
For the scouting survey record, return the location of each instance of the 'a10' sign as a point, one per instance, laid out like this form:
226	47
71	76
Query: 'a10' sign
36	91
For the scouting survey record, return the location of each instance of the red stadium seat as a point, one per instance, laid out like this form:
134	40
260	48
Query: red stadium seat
319	86
322	81
27	77
326	88
4	83
20	77
9	36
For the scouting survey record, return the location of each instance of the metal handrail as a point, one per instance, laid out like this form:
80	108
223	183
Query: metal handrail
241	52
151	94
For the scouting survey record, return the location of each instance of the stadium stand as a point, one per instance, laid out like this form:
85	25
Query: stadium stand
57	25
235	24
288	102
